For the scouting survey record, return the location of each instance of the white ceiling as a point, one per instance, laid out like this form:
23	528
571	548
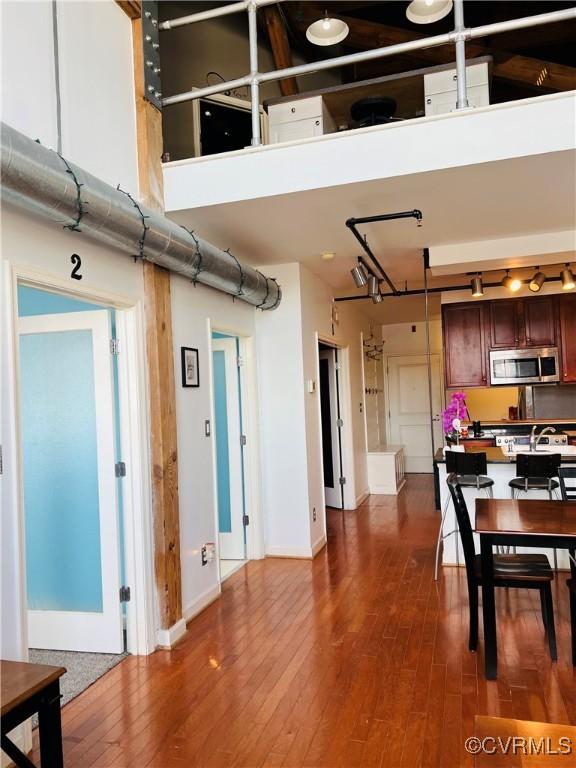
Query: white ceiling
491	200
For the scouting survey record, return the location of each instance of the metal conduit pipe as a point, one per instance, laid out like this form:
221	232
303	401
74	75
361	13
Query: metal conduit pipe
40	180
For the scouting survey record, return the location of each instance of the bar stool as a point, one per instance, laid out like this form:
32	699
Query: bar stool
471	472
535	473
567	476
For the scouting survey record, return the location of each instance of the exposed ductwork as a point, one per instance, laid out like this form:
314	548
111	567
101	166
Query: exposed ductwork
40	180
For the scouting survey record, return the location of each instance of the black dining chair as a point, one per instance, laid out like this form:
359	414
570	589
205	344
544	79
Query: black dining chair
472	471
567	477
530	571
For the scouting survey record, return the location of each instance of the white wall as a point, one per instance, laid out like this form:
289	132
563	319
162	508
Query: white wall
193	308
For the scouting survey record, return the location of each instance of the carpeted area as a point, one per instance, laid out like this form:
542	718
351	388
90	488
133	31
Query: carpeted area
83	669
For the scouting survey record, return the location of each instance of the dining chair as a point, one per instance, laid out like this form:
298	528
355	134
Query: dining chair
571	584
472	472
567	477
530	571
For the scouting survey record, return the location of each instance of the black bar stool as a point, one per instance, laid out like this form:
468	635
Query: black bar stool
535	473
471	470
567	476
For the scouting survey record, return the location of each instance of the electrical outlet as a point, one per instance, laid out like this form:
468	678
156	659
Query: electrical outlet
204	558
314	515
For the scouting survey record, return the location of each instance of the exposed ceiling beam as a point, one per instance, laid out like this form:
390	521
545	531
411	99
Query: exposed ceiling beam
280	47
543	76
132	8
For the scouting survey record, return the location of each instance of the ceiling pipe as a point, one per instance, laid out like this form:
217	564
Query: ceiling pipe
41	181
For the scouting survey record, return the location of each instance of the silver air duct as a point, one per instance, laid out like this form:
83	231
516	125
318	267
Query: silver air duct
40	180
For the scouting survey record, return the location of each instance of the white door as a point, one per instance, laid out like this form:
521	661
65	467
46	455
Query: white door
409	410
69	483
227	429
331	428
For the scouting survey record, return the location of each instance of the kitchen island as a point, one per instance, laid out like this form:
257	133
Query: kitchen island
501	468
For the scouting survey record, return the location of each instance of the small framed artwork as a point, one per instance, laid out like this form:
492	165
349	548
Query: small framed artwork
190	372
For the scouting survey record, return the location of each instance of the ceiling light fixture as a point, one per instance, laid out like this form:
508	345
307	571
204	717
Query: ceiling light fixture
359	275
328	255
512	283
476	285
327	31
373	287
537	281
377	298
428	11
567	278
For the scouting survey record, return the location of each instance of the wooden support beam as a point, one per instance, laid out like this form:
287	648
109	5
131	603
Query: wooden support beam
280	47
542	76
132	8
160	358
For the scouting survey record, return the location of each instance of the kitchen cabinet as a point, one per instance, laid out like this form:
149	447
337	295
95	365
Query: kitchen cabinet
504	322
539	322
568	337
299	119
464	328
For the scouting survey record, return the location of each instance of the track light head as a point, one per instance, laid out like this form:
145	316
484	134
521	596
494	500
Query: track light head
567	278
537	281
359	275
373	286
476	285
377	298
512	283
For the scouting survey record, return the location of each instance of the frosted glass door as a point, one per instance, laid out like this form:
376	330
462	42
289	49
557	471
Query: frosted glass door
70	504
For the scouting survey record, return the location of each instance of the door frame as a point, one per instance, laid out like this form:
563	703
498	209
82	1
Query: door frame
134	432
346	432
249	412
426	355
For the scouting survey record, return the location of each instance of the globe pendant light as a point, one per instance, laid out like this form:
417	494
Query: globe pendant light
327	31
428	11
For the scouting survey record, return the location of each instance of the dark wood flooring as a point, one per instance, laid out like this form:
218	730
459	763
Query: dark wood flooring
355	659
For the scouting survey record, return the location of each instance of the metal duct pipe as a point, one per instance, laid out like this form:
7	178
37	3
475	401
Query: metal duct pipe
41	181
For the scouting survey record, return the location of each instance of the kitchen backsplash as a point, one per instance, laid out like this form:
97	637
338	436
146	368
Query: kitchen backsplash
555	402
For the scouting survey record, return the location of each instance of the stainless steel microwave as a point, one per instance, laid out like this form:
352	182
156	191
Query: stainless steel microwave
524	366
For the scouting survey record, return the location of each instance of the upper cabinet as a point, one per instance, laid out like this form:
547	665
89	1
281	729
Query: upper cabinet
522	323
504	330
568	337
465	344
539	322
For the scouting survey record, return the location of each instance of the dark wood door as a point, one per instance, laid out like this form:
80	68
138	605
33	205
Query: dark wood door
464	345
568	336
539	322
504	331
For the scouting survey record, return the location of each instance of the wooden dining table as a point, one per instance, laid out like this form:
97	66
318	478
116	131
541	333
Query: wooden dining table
517	523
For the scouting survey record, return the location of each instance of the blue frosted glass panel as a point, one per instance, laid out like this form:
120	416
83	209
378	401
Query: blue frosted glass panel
222	453
63	563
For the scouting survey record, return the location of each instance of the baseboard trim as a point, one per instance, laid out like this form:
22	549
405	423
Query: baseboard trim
362	498
201	602
167	638
319	545
290	552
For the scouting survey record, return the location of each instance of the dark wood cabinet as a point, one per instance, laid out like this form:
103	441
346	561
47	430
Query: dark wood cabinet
568	337
504	332
464	327
539	326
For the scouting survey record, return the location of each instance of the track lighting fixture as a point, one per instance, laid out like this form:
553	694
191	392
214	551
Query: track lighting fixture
373	286
476	285
537	281
377	298
512	283
359	275
567	278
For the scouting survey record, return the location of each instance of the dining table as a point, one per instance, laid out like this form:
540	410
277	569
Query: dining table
517	523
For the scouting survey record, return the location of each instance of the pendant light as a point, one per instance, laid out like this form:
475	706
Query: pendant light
327	31
567	278
476	285
359	275
512	283
537	281
373	287
428	11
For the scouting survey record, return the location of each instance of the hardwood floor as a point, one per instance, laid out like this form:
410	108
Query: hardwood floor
355	659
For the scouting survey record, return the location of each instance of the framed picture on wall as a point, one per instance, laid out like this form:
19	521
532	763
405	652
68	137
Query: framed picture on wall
190	371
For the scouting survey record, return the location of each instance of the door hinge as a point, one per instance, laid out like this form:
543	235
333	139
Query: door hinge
120	469
339	423
239	362
114	347
342	480
245	520
124	594
243	440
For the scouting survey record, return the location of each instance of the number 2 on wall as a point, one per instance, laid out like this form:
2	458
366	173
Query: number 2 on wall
77	261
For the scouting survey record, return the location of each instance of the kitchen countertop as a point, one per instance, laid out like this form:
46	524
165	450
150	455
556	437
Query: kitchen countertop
496	456
521	422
